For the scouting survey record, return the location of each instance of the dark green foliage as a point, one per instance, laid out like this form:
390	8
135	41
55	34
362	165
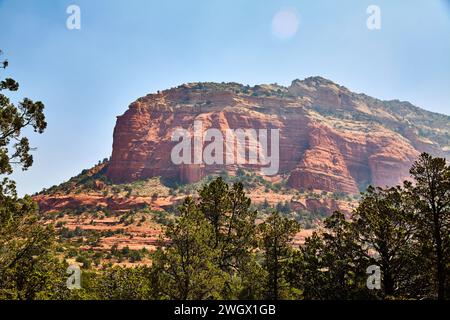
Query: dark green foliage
430	197
284	208
229	213
215	250
403	230
124	284
213	239
332	264
383	222
187	268
276	234
28	268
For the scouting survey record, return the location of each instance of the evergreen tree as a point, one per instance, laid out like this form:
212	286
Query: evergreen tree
334	262
186	268
227	209
384	225
28	269
307	270
276	235
13	119
430	194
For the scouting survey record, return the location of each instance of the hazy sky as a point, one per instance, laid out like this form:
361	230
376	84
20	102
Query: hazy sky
126	49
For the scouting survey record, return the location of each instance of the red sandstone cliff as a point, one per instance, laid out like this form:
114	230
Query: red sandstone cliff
330	138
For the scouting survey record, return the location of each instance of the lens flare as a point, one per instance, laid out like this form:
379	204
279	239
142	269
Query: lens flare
285	24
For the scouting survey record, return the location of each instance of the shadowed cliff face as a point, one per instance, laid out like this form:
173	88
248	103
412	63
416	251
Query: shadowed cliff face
330	138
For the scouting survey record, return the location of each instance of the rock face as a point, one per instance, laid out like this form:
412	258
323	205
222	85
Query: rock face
331	139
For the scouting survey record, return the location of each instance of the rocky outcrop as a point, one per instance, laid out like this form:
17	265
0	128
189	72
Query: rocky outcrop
330	138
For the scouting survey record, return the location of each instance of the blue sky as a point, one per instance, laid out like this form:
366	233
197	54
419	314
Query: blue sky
126	49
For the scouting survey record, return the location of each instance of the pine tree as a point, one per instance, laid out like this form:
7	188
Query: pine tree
276	235
228	211
334	263
185	269
28	269
384	224
431	196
